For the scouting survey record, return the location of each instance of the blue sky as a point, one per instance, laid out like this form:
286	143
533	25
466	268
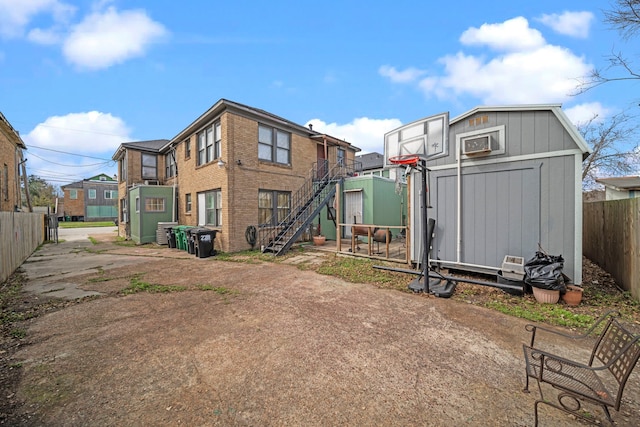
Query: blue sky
82	77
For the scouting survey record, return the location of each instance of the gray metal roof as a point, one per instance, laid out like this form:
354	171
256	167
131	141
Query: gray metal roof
152	146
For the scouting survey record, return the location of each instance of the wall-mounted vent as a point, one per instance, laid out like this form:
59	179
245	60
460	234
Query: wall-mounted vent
476	146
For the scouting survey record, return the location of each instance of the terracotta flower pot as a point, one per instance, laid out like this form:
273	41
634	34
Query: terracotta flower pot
319	240
573	296
546	296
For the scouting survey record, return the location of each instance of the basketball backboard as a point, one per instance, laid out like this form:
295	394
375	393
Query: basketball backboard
426	137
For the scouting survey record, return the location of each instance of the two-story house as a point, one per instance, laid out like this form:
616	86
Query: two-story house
236	169
92	199
11	157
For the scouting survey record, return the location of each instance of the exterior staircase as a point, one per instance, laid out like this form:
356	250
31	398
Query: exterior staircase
306	204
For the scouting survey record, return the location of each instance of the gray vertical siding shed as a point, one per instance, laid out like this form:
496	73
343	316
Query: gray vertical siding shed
524	193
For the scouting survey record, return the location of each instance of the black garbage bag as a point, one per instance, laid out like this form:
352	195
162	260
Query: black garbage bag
545	272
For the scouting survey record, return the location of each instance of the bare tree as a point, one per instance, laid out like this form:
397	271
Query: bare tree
625	18
614	149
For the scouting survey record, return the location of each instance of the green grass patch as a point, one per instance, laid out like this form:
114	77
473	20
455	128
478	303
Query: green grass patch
220	290
360	270
555	314
136	285
79	224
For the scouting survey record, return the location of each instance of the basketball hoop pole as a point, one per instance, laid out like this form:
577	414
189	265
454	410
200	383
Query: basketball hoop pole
425	232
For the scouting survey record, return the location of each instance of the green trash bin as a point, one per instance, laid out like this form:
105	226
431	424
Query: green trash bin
181	242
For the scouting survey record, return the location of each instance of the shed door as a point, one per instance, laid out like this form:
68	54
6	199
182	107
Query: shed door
353	209
500	215
202	210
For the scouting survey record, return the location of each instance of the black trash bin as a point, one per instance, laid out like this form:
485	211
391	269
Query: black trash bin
171	237
191	239
204	242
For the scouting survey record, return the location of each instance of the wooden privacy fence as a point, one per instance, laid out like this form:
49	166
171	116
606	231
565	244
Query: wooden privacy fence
20	234
611	239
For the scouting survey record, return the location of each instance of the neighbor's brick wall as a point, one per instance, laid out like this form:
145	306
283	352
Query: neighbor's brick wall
74	207
9	157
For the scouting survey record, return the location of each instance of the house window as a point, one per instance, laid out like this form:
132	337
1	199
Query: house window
92	193
209	141
341	155
187	149
213	208
123	210
123	169
170	162
273	206
149	166
187	202
274	145
5	183
154	204
110	194
73	194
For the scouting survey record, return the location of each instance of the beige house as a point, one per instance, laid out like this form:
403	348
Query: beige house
232	169
11	156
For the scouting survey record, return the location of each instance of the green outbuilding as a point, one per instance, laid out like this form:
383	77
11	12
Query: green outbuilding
150	204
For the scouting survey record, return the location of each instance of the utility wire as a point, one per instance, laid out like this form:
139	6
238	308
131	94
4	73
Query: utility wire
71	154
73	166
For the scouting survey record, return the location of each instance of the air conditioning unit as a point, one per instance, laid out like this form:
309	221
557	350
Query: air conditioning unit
476	146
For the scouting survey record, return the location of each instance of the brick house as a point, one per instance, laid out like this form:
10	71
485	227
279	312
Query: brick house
92	199
233	167
11	156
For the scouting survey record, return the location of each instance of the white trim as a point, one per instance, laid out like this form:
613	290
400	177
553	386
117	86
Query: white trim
353	190
493	161
577	244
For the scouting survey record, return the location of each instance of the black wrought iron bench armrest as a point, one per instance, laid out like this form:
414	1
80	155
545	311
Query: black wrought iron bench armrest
534	328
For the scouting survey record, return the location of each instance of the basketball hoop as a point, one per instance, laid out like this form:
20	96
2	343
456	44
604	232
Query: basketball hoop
405	159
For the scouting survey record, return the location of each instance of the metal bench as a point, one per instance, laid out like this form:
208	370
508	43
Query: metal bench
600	381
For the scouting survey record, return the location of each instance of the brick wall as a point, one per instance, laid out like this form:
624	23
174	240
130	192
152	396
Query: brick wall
239	183
9	158
74	207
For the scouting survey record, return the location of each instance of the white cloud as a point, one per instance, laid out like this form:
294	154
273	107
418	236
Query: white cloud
510	35
15	15
528	70
574	24
93	134
45	37
582	113
363	132
106	38
88	133
407	76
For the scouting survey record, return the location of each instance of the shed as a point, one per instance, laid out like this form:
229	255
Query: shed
368	199
504	180
150	204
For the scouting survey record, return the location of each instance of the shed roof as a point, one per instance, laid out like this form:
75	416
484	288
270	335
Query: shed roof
622	182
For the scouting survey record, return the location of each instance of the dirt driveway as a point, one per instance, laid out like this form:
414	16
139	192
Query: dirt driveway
262	344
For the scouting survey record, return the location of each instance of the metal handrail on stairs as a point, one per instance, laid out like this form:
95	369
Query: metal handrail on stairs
306	204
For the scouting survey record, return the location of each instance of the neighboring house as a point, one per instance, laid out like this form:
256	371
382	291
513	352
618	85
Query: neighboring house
234	168
624	187
11	157
92	199
373	164
503	181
